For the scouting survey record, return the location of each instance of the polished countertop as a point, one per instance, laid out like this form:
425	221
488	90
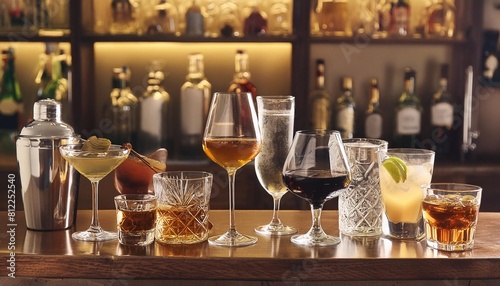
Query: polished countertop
53	254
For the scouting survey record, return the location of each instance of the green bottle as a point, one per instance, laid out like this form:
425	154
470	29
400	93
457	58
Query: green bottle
11	108
408	114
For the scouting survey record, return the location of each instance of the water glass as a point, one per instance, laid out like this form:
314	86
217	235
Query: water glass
450	213
135	218
183	205
360	206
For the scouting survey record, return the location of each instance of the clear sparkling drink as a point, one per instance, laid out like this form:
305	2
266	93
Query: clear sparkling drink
276	140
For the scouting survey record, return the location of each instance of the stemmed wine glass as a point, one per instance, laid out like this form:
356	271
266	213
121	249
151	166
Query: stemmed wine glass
232	139
316	169
276	115
94	165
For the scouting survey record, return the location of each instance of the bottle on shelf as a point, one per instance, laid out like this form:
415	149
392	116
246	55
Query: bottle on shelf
332	18
52	79
195	21
255	23
155	114
345	105
165	19
122	20
440	19
442	116
408	114
279	17
242	77
11	104
195	103
123	109
51	14
400	18
229	20
368	18
374	118
320	113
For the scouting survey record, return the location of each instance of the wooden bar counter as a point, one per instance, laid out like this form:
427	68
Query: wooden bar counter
55	255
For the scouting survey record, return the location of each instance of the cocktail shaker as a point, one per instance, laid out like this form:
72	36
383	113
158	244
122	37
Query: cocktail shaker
49	184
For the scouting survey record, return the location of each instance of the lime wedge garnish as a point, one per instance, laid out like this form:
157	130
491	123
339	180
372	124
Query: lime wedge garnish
396	168
95	144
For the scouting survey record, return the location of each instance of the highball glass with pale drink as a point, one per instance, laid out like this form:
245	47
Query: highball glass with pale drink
403	173
450	213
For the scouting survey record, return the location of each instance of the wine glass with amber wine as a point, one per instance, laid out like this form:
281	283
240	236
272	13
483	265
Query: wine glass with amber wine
316	170
232	139
94	164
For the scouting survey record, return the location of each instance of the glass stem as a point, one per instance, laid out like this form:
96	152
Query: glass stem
316	217
231	177
276	221
94	225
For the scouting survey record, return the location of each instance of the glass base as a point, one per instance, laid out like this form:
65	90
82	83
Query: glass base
94	236
232	238
322	240
278	230
450	247
404	230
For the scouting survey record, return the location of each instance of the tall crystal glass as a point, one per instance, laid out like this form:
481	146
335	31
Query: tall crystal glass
276	115
94	166
316	170
232	139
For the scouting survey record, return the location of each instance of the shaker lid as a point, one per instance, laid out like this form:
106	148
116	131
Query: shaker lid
47	121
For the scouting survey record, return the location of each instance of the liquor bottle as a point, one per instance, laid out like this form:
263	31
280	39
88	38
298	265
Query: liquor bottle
166	20
279	17
155	114
333	18
195	25
122	20
320	113
408	114
123	109
256	23
230	21
374	118
195	103
52	79
17	14
345	109
442	116
241	79
11	104
400	18
440	19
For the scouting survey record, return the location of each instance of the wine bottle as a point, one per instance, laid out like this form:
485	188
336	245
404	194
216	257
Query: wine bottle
11	104
408	114
195	103
319	101
242	77
123	108
344	120
374	118
442	116
154	118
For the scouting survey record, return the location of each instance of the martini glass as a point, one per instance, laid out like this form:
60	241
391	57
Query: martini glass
94	166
